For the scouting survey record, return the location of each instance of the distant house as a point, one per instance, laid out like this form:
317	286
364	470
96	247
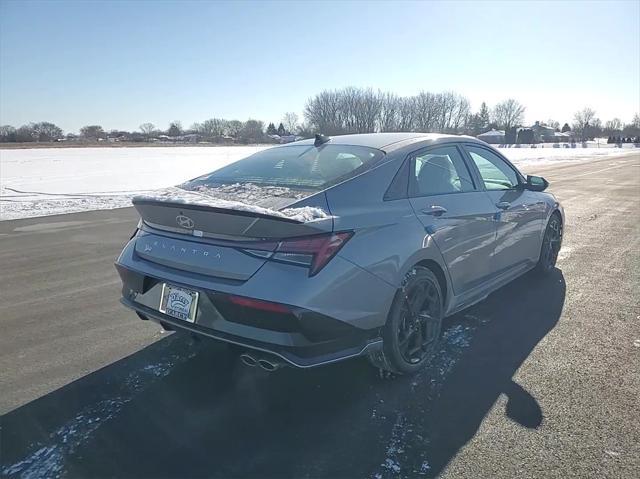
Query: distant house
285	138
492	136
562	137
188	138
544	134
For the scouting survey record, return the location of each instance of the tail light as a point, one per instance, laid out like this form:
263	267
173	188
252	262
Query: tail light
313	252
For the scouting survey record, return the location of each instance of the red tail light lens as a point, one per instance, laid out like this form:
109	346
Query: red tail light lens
313	251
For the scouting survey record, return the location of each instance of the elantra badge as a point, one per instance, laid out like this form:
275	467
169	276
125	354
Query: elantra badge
185	222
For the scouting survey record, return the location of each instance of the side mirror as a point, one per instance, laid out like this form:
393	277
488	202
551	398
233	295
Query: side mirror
536	183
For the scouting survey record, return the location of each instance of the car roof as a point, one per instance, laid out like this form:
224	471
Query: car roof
386	142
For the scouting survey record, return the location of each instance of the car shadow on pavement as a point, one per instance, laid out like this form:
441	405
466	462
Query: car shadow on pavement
190	409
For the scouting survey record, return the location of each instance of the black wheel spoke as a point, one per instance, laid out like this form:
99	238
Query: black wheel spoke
416	302
551	244
419	325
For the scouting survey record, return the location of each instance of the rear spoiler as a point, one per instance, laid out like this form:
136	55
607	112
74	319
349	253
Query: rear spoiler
213	221
211	209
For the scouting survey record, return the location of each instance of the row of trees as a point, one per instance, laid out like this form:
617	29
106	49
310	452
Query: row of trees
43	131
343	111
358	110
215	129
588	125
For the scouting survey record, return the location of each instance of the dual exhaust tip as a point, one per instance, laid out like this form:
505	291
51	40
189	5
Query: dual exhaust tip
267	363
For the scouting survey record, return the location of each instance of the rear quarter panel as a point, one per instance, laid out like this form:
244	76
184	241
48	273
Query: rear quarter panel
389	239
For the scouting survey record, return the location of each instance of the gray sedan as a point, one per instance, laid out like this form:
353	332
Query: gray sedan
331	248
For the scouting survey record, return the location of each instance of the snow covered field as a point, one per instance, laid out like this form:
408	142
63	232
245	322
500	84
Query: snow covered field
41	182
49	181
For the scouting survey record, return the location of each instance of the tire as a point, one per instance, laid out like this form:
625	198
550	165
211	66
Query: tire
551	244
412	332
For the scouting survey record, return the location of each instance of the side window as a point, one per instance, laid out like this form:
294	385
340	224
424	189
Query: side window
439	171
495	173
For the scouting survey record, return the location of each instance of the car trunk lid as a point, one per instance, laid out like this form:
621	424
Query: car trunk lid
208	234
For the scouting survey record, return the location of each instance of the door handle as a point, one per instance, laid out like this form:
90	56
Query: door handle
503	205
434	210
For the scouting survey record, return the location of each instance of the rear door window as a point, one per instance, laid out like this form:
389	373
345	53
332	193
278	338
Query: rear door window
301	167
439	171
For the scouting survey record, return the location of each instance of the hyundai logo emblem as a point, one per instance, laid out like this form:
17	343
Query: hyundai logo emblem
185	222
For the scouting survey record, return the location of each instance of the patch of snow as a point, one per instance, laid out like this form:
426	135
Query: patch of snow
204	196
246	192
527	157
564	253
424	467
455	340
49	460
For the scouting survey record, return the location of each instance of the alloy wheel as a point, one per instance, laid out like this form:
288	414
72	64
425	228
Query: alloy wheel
419	325
552	242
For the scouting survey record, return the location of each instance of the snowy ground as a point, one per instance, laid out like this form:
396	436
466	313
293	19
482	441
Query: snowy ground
41	182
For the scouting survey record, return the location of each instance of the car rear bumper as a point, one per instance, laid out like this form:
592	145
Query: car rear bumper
302	338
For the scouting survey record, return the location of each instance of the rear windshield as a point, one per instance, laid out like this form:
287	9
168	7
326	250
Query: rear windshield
304	166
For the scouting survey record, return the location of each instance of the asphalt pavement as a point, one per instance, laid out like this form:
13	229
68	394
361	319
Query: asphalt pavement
542	379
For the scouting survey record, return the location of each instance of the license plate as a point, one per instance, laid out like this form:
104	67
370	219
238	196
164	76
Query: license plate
179	302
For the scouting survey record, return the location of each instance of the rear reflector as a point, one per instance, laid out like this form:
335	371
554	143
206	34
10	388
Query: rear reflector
259	304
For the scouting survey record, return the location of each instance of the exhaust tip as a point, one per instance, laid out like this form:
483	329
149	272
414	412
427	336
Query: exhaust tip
268	365
248	359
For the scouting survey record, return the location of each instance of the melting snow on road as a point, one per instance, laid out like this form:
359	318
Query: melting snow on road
48	181
455	340
48	459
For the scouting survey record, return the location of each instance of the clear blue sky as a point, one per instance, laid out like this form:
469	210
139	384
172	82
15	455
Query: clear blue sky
122	63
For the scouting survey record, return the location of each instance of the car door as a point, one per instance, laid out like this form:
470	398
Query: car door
454	212
519	212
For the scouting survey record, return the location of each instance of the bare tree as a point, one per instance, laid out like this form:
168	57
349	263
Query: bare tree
291	122
613	125
508	114
406	109
583	119
175	128
92	132
426	112
234	127
7	134
45	131
252	132
26	134
214	127
460	115
323	113
553	124
147	129
389	112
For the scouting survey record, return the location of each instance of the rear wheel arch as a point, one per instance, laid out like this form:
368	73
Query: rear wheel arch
410	338
437	270
557	213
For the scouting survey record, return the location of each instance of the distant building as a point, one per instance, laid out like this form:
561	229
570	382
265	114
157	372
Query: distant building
544	133
285	138
492	136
